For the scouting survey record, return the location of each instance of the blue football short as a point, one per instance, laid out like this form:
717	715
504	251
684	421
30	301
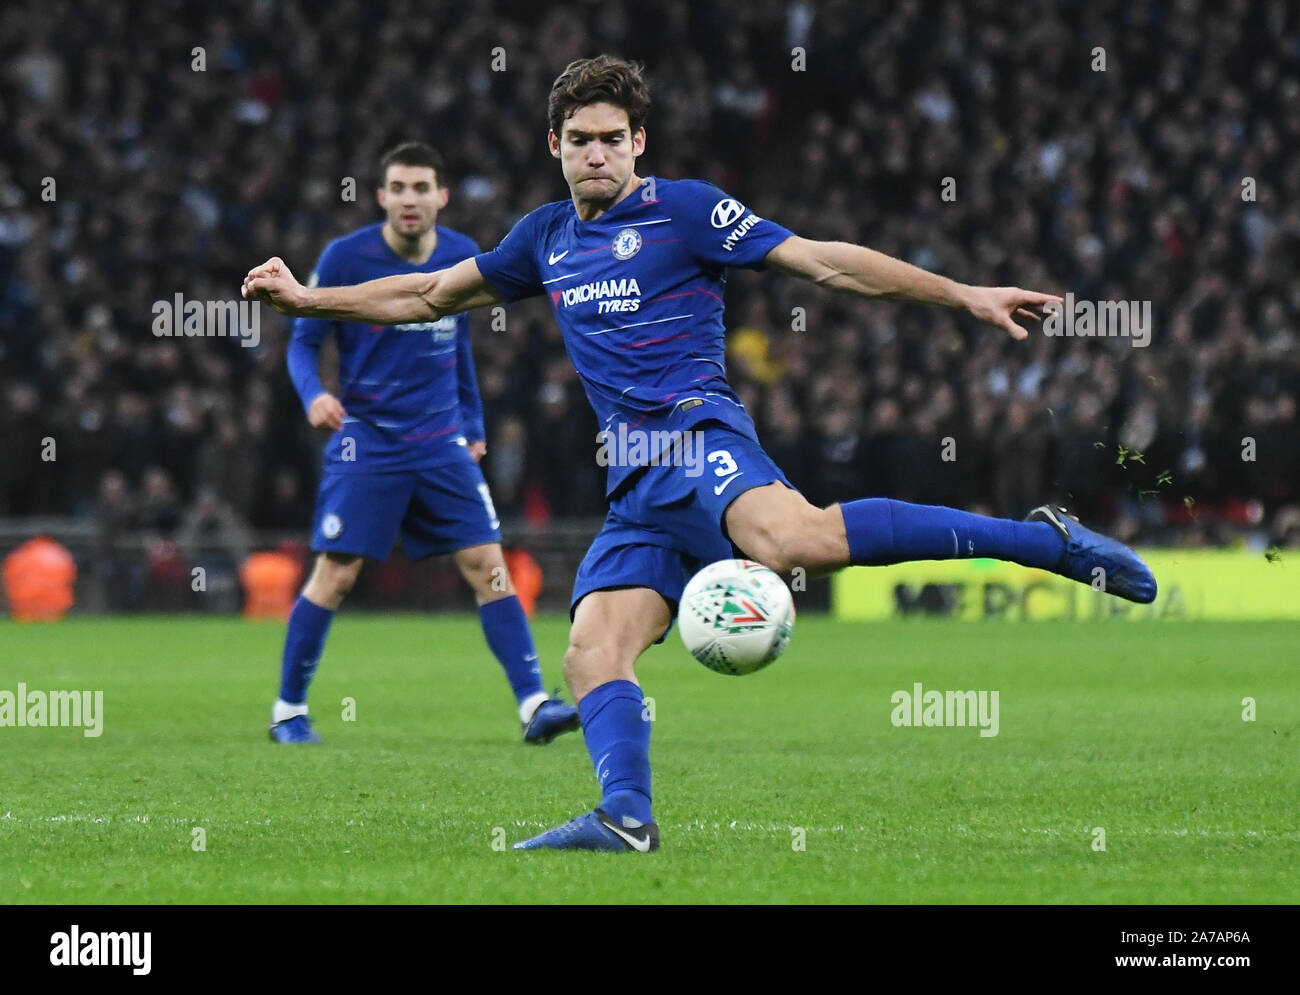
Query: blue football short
436	510
665	523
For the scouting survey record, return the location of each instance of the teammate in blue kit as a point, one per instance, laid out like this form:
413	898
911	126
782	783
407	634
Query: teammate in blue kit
408	434
635	269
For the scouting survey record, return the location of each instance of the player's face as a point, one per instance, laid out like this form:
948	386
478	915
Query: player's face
597	152
412	199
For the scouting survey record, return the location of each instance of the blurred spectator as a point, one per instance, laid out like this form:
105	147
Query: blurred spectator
160	507
212	539
118	574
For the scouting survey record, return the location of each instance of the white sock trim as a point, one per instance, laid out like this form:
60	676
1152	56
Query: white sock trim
528	707
282	710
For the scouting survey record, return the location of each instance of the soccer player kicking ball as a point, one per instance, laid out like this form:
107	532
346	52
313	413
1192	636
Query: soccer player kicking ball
408	434
636	269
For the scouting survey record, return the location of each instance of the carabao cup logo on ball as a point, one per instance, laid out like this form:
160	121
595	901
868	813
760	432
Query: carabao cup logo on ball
736	616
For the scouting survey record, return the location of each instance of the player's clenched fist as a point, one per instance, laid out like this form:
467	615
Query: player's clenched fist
326	412
273	284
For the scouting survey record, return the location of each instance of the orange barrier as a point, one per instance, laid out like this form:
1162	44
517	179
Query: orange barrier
38	579
526	575
270	582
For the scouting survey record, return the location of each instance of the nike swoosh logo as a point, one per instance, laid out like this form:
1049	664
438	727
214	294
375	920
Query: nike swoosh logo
553	258
640	846
723	486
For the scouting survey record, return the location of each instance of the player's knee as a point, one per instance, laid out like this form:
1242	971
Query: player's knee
823	543
590	662
484	569
344	583
334	578
475	559
807	542
582	652
582	661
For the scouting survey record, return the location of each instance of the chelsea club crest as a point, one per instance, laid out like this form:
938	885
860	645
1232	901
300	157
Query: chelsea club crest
627	243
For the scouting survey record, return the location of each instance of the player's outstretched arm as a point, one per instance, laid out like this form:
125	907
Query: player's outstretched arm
859	270
391	300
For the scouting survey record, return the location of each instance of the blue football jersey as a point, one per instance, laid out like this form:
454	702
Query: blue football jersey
409	390
638	294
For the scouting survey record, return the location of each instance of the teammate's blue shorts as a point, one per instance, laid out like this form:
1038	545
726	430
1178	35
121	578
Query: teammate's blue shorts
665	524
436	510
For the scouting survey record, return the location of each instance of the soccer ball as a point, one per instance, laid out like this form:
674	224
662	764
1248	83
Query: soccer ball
736	616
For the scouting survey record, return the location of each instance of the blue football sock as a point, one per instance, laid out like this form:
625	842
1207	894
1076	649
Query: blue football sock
309	624
506	629
882	531
618	739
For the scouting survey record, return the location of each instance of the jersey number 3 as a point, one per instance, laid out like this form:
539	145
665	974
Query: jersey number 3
726	468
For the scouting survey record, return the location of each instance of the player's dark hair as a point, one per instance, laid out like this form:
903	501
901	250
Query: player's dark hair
604	79
412	154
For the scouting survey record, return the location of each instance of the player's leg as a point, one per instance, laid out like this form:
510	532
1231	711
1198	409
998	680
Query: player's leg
505	627
309	622
451	512
332	577
624	598
780	529
356	516
611	629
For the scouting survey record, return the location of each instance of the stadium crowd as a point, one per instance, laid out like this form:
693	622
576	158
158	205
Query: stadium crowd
1122	151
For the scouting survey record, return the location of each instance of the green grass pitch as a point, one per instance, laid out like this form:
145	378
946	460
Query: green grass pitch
1136	729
